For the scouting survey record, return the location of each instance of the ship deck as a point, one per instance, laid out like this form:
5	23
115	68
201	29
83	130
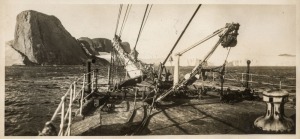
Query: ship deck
178	116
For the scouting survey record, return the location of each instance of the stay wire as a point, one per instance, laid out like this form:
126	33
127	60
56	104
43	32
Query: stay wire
181	35
120	10
128	8
147	17
227	55
141	27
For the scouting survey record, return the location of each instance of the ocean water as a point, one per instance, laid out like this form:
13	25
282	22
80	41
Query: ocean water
32	93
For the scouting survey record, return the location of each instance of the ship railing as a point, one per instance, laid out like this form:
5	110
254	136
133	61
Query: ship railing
253	77
73	93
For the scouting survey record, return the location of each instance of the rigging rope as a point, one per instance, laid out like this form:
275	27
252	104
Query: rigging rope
125	19
137	39
120	10
181	35
227	55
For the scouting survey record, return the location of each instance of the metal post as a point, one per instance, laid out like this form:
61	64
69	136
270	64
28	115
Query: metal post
62	116
82	93
89	76
56	112
71	89
280	84
176	70
242	77
81	102
248	72
93	79
251	79
109	74
70	111
96	79
74	91
222	82
142	75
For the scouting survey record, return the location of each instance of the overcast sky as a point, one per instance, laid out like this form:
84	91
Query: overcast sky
265	32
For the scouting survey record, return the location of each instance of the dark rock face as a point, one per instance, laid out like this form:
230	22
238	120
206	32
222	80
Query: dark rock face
96	45
44	40
102	44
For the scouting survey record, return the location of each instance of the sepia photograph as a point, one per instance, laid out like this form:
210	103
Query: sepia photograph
149	69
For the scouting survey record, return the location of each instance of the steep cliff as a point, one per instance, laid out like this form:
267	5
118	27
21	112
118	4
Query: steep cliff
14	57
43	40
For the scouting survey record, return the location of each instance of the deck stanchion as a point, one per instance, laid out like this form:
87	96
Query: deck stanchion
71	90
81	102
56	111
251	79
109	74
74	91
93	76
82	94
61	133
242	77
70	112
248	74
176	70
89	81
96	79
280	84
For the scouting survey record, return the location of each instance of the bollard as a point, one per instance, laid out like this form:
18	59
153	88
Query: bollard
274	119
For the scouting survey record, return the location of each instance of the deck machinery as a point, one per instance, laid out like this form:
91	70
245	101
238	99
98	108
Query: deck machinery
139	71
228	39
